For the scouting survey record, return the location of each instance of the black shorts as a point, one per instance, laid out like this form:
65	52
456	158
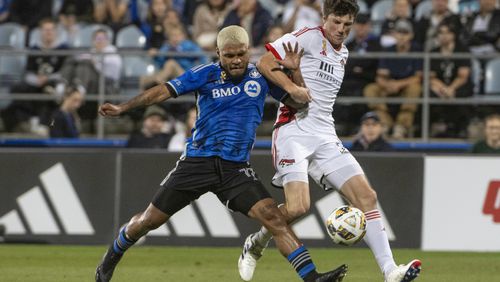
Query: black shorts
235	184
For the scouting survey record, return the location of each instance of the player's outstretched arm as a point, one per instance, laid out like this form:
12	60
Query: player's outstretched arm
267	65
154	95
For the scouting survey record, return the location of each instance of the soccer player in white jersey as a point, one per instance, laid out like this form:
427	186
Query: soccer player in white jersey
305	142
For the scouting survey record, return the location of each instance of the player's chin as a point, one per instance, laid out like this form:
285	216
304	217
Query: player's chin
237	73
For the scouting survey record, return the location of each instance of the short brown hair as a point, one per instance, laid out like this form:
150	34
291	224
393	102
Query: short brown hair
45	21
340	8
491	117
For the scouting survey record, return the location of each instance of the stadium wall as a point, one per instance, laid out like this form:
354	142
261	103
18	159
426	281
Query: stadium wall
84	196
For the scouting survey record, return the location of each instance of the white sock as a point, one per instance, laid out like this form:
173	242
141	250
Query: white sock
262	237
377	240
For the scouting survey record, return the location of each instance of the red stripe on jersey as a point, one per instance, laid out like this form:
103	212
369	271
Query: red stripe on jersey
306	29
287	114
274	147
270	48
322	30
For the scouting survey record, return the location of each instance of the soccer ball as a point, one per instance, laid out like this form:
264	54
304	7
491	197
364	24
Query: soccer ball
346	225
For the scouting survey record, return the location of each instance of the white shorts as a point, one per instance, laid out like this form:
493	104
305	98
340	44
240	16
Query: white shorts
297	155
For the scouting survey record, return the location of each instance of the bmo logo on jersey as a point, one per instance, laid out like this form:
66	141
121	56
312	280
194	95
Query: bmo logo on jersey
224	92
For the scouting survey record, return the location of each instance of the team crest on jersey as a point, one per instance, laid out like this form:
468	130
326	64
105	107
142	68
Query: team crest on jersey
254	74
323	52
286	162
223	75
252	88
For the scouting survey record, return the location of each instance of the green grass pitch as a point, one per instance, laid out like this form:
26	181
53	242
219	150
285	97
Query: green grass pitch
42	263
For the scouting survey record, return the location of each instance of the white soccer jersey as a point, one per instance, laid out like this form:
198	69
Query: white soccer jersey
323	70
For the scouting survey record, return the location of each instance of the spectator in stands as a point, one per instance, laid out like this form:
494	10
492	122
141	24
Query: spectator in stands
65	122
482	35
450	78
482	30
370	137
68	24
491	143
138	10
112	13
30	12
178	141
82	10
400	10
153	26
153	133
426	32
173	67
273	34
42	75
253	18
359	72
72	15
4	10
398	77
172	20
208	19
189	10
85	69
301	13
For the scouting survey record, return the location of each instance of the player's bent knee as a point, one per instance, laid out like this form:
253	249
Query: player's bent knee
276	223
297	211
271	217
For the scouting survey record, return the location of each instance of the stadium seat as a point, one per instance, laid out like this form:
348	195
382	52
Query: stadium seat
272	7
133	68
34	37
11	72
84	38
136	66
130	37
476	75
380	10
423	8
491	81
12	66
12	35
363	7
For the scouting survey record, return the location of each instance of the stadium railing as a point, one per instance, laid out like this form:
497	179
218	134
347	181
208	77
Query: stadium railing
425	101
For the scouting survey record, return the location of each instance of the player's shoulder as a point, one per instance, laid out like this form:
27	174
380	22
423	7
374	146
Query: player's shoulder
205	68
309	32
253	72
206	72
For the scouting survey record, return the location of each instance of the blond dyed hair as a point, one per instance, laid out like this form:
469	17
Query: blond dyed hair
232	34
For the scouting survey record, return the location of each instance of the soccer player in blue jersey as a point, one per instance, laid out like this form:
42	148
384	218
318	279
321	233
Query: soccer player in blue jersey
230	101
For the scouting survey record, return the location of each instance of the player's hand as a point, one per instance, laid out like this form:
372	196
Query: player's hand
292	56
301	95
109	109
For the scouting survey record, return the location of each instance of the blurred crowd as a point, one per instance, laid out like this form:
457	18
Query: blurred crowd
98	29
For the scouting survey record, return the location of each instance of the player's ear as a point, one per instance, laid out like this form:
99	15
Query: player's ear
217	51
